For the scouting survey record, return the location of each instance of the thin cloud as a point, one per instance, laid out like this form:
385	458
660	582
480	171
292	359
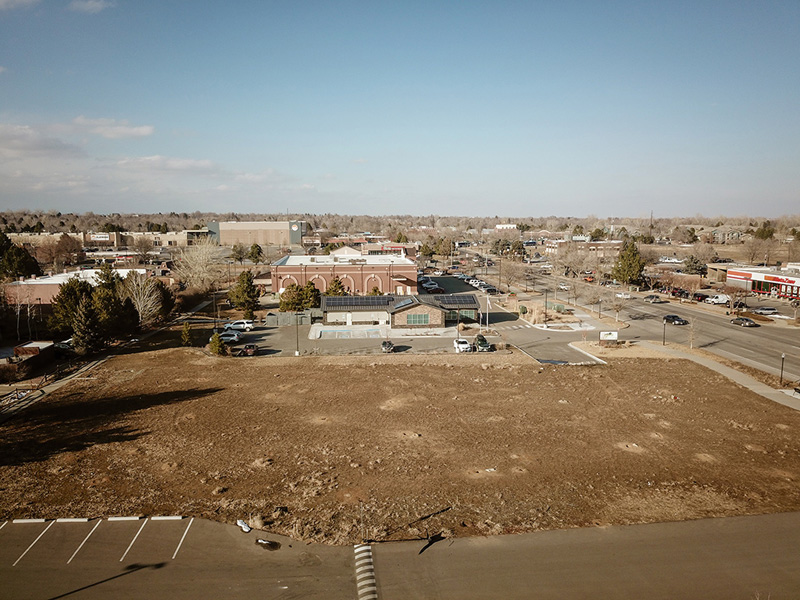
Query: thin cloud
9	4
3	69
20	141
166	163
90	7
112	129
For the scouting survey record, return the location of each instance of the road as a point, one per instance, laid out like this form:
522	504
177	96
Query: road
731	558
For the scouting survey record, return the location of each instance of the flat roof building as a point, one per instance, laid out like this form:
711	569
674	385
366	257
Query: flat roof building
263	233
390	274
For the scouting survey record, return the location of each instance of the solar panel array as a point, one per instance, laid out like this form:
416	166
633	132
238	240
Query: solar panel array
404	302
361	301
457	301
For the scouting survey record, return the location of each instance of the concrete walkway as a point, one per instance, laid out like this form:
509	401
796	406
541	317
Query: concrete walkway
785	397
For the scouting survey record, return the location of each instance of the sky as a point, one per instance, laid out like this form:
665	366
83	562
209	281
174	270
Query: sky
527	108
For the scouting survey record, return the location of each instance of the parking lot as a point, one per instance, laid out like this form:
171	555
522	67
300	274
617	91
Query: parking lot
156	557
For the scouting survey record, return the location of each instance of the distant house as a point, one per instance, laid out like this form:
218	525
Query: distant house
400	312
42	290
726	235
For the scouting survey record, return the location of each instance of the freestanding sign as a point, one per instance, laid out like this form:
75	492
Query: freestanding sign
608	336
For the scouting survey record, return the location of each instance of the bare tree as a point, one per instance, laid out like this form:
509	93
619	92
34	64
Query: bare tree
144	293
617	304
142	246
199	265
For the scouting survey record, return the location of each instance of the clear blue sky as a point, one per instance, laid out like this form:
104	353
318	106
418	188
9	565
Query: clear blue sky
455	108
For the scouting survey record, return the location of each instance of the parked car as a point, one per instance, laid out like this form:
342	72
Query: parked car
675	320
243	325
482	344
744	322
623	295
718	299
738	304
438	273
699	297
563	286
765	310
462	345
387	347
653	299
229	337
248	350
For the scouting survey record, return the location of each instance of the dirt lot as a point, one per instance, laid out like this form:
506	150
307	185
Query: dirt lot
480	444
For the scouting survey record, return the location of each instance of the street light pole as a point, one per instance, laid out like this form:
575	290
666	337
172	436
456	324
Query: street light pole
664	336
545	306
783	358
297	333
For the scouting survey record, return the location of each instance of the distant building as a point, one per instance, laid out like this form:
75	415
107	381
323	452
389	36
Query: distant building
263	233
405	312
42	290
780	284
391	274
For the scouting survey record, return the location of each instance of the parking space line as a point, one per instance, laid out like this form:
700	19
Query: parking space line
133	540
183	537
4	524
34	541
84	540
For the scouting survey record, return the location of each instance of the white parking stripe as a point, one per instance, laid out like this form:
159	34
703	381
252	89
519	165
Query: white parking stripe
4	524
34	541
133	540
84	541
183	537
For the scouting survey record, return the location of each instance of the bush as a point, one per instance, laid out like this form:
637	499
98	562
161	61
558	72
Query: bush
217	346
186	334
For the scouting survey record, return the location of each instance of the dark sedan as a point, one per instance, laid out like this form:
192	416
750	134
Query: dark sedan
675	320
744	322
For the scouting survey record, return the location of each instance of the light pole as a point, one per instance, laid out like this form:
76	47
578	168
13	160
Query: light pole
783	358
545	306
664	335
297	333
599	308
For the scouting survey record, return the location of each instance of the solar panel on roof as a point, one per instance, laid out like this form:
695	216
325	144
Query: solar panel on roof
403	303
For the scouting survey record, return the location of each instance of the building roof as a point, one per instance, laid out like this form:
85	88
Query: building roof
313	260
89	275
395	304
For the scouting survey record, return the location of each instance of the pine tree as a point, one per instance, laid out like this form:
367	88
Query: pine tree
375	291
309	296
291	298
256	254
87	335
186	334
65	304
244	295
630	264
336	288
216	345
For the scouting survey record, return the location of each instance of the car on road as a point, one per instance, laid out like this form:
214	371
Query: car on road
765	310
462	345
438	273
675	320
482	344
243	325
387	347
744	322
563	286
623	295
653	299
229	337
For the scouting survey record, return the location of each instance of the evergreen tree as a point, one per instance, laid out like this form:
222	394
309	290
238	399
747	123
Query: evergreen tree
336	288
244	295
694	266
310	296
630	264
87	335
239	252
186	334
65	304
375	291
401	238
256	254
216	345
291	298
16	261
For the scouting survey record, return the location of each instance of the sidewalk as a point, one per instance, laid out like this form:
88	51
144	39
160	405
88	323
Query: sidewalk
785	397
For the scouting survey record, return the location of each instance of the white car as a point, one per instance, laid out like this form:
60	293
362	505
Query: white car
624	295
563	286
438	273
462	345
229	337
765	310
239	325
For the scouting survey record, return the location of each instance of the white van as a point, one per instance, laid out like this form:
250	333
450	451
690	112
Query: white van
718	299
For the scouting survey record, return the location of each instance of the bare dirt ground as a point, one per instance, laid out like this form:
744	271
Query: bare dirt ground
460	444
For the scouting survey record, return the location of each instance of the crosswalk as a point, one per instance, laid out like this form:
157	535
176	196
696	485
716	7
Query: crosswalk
508	327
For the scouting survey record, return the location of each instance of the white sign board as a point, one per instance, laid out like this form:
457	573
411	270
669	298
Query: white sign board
608	336
99	237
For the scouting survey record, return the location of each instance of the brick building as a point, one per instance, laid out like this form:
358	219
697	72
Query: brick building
263	233
390	274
